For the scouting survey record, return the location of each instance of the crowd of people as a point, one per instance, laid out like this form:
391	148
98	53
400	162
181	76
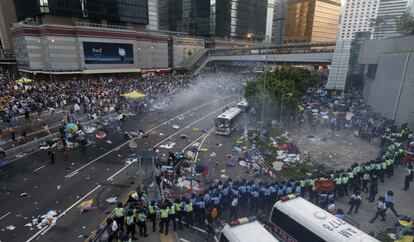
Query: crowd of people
224	199
93	97
96	95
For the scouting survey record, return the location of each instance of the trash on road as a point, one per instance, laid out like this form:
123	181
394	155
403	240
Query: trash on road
176	127
86	206
183	136
24	194
132	144
213	154
204	150
109	142
10	227
168	145
195	129
112	200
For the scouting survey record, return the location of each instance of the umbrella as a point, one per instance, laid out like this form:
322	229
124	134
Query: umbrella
73	127
134	95
301	108
24	80
100	134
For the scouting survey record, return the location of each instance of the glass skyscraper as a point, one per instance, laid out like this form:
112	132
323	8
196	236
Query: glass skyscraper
311	20
224	18
117	11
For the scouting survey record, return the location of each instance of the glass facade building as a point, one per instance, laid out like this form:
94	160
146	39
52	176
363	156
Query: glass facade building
311	20
224	18
122	11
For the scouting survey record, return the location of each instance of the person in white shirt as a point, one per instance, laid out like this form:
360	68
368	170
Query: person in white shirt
381	209
233	207
355	202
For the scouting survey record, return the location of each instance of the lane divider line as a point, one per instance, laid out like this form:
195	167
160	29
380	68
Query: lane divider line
123	144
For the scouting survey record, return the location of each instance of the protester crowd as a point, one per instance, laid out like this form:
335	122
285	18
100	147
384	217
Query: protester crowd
91	97
225	199
96	95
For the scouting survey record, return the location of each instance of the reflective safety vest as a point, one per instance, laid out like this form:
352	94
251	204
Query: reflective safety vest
164	213
142	217
366	177
378	167
384	165
172	209
356	170
119	212
151	209
350	175
345	180
134	195
177	207
189	207
338	181
129	220
302	183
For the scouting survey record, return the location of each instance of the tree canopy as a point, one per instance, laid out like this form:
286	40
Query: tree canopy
288	82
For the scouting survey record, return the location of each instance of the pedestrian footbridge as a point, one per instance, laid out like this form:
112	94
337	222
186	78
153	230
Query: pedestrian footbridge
7	57
304	53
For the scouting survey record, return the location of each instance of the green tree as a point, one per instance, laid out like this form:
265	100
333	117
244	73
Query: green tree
279	83
405	24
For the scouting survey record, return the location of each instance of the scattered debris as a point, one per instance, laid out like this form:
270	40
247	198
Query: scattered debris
195	129
213	154
109	142
183	136
24	194
58	187
176	127
112	200
168	145
10	227
86	206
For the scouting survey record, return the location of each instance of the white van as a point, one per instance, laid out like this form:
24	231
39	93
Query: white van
246	230
294	219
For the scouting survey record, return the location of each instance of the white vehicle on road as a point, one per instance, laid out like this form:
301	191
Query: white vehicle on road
227	121
246	230
294	219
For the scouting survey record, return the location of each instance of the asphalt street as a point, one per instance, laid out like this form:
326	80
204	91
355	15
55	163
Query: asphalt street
98	173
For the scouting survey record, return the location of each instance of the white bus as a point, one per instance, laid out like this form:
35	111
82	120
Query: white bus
294	219
227	121
246	230
243	105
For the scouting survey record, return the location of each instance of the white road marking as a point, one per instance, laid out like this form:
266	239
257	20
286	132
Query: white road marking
7	214
45	229
123	144
201	136
39	168
199	229
198	120
184	240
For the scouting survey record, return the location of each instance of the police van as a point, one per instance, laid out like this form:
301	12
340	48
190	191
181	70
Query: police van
227	121
246	230
294	219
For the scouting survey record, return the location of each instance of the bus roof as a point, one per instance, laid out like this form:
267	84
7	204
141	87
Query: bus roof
317	220
248	232
243	103
230	113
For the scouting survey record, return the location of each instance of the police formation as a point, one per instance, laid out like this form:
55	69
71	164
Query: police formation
223	200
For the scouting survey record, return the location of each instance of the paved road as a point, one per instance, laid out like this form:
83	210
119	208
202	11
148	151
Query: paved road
97	173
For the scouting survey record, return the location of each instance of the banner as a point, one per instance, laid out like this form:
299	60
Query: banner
108	53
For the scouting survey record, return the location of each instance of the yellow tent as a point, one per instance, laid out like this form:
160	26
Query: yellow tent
24	80
134	95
